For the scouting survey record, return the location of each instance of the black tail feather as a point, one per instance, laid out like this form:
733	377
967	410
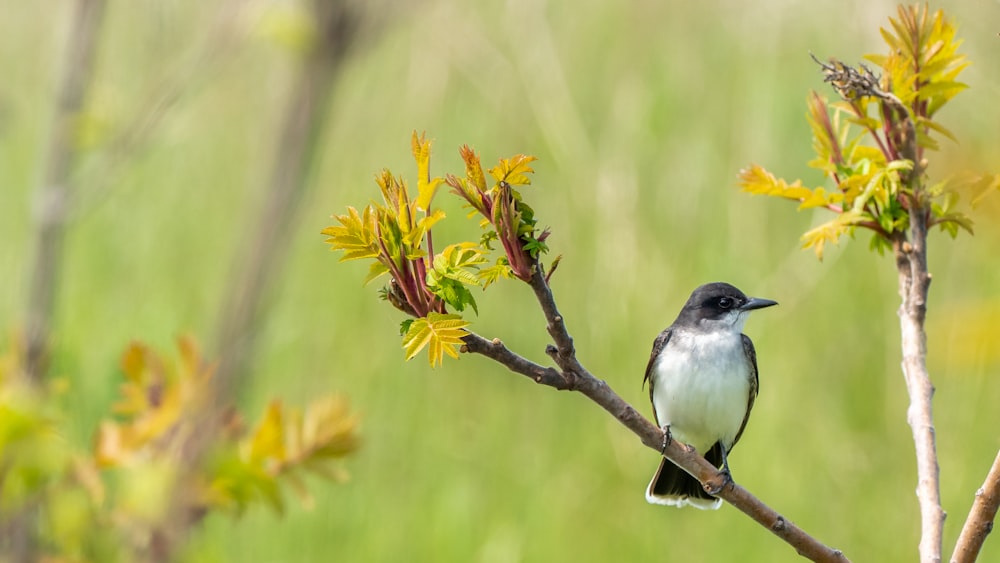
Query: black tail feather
673	485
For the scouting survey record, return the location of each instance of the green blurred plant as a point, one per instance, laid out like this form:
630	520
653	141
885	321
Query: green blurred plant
109	503
396	235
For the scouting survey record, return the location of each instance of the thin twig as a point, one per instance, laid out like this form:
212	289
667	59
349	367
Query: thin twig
979	523
572	376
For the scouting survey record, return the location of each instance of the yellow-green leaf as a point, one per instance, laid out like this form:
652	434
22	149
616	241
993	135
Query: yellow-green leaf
757	180
440	333
514	170
473	168
426	186
355	235
831	231
819	198
268	440
375	270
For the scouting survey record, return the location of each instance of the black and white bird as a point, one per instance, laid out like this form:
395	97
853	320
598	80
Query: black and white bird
702	378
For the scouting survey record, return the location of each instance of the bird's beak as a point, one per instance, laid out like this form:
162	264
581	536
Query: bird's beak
757	303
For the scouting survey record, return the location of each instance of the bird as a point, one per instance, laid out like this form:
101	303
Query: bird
702	376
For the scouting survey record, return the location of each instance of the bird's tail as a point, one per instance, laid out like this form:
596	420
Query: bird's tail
672	486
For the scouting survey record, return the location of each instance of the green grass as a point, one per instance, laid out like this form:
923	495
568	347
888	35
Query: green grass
641	116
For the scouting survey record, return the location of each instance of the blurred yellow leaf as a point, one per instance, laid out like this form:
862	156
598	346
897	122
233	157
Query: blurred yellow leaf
268	440
328	428
153	402
287	25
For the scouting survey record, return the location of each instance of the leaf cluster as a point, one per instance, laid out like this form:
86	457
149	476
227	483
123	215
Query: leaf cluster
870	144
102	504
158	401
435	288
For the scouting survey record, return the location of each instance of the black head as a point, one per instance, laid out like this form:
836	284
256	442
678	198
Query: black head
719	303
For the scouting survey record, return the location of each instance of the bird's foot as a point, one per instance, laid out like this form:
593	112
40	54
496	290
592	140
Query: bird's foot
667	438
720	481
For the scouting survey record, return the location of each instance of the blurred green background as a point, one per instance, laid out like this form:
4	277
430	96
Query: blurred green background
641	114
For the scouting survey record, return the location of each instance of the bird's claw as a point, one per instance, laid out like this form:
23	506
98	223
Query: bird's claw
667	438
721	480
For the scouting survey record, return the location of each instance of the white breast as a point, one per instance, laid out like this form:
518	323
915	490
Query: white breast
701	386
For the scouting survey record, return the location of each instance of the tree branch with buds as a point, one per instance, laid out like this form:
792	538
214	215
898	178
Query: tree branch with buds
392	235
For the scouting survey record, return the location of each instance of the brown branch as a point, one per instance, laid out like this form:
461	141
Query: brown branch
979	523
572	376
910	250
914	282
296	145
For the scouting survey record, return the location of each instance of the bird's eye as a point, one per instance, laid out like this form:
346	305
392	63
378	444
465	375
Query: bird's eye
726	302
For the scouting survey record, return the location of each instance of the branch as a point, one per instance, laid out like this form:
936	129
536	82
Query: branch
853	84
302	124
914	282
246	302
572	376
54	194
979	524
910	250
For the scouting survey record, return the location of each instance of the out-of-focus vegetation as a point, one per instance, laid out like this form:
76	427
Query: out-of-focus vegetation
641	115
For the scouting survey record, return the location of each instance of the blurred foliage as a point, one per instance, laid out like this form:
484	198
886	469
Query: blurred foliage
110	503
879	183
641	114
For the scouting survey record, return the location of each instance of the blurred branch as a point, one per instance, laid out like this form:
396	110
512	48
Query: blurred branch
979	523
572	376
53	198
198	67
51	208
302	125
245	303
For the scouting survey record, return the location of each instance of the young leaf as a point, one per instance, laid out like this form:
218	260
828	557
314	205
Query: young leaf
514	170
757	180
826	136
440	333
473	168
355	235
426	186
267	443
831	231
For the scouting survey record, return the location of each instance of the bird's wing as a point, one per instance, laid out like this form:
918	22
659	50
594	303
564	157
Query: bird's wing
751	355
658	345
